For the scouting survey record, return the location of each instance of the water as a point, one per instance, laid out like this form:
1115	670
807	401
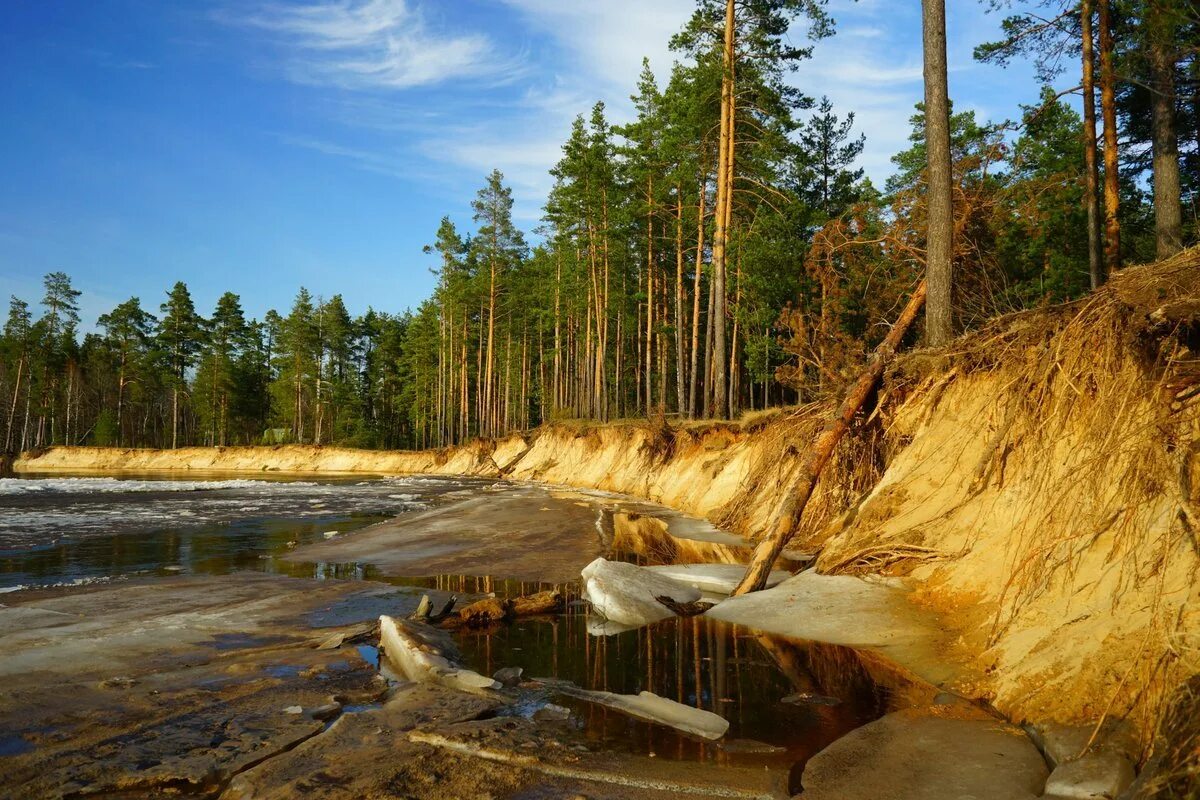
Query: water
73	531
94	529
699	662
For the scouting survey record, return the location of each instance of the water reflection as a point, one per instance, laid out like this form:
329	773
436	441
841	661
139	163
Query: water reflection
64	530
700	662
253	544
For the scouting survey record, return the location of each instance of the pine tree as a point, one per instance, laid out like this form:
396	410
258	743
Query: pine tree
180	339
18	330
297	360
129	331
227	336
501	248
829	178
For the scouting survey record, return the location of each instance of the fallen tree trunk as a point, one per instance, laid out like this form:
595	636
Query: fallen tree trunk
802	487
491	610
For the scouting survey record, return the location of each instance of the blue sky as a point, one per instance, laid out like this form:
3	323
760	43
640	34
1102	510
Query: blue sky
260	146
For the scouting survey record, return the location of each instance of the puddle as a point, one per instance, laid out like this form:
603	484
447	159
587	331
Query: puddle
369	654
14	745
702	663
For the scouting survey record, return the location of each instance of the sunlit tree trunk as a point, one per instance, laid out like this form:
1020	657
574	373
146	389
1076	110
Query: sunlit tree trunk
557	392
694	365
1091	165
1108	109
12	409
721	233
680	377
650	299
489	375
939	326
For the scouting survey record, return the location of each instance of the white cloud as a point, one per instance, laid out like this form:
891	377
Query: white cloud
603	42
373	44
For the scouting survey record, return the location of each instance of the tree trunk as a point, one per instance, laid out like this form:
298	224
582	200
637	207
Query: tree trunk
649	294
121	401
708	349
486	419
1108	108
12	410
1091	166
802	486
557	393
720	233
939	325
680	379
693	372
1168	216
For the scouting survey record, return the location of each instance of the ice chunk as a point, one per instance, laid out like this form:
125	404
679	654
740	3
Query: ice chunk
651	708
627	593
424	662
606	627
714	578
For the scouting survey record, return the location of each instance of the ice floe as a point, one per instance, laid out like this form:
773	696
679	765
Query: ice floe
713	578
628	594
651	708
423	661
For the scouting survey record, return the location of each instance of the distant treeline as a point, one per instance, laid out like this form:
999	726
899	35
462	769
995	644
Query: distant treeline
719	253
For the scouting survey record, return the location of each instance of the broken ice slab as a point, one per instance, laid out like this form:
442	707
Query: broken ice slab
422	660
651	708
718	579
626	593
606	627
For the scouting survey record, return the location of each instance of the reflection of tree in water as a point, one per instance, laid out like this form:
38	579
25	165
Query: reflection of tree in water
703	663
644	541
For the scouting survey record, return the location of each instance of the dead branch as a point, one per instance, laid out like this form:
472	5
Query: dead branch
802	487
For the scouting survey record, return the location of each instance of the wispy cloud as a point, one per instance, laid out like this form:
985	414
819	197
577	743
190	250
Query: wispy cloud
604	42
370	160
373	44
110	60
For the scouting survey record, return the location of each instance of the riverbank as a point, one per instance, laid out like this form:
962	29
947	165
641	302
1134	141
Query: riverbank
1036	484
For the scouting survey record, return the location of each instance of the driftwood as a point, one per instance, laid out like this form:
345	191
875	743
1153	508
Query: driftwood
491	610
692	609
424	612
801	490
539	603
